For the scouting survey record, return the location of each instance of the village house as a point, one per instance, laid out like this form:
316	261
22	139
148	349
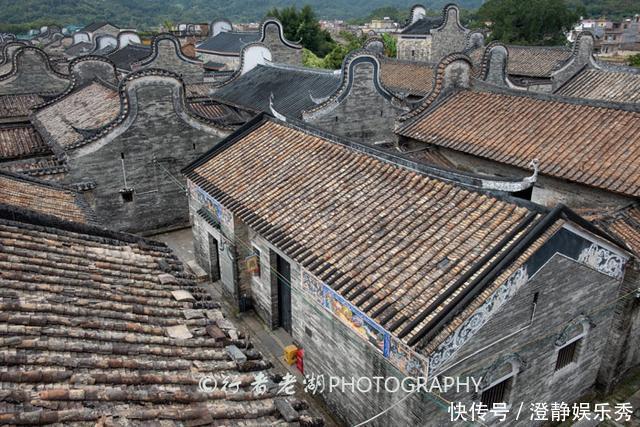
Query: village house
360	101
166	53
528	118
585	77
27	80
124	143
573	140
22	147
621	38
430	39
573	72
108	328
377	268
100	27
31	73
224	45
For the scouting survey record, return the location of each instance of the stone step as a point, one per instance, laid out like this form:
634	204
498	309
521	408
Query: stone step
201	276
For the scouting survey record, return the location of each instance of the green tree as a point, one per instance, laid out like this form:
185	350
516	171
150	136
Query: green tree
390	46
167	25
634	60
303	26
531	22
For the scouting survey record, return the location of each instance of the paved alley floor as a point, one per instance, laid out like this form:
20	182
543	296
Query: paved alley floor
269	342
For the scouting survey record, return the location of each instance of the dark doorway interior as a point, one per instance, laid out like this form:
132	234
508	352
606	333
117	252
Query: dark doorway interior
214	260
284	293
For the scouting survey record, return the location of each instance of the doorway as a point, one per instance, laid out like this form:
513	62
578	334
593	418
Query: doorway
283	270
214	260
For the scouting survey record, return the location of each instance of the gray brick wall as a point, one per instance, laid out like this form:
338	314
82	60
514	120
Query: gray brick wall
623	348
157	131
413	49
364	115
280	52
548	191
450	39
566	290
168	59
33	75
201	231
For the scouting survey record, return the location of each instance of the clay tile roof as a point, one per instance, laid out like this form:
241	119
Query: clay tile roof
199	89
212	110
19	141
131	53
87	320
90	107
229	42
603	85
79	49
43	197
408	77
341	202
97	25
591	145
189	50
294	88
14	106
46	167
423	26
536	61
623	223
216	111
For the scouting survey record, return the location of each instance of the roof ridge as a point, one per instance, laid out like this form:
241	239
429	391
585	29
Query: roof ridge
125	107
27	216
433	172
32	180
481	86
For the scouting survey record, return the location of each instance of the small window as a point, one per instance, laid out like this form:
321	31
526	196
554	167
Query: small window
127	195
413	53
498	393
568	354
255	264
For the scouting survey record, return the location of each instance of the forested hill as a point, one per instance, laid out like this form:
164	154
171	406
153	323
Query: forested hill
144	14
148	13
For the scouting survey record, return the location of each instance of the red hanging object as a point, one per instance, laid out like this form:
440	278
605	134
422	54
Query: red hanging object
300	360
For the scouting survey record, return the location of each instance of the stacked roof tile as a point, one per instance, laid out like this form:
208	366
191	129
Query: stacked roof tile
389	239
582	143
229	42
47	167
19	141
90	107
16	106
623	223
128	55
43	197
104	328
216	111
97	25
422	26
536	61
294	89
407	77
603	85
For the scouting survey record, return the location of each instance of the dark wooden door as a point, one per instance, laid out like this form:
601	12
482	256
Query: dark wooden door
284	293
